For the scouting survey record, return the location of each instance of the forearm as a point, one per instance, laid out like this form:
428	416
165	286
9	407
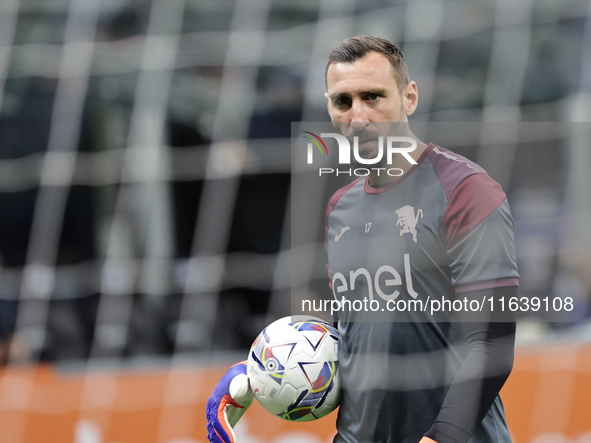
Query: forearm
480	378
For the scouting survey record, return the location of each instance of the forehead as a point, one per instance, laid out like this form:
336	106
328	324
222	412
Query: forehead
371	72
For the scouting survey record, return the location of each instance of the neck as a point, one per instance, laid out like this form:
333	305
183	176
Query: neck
380	178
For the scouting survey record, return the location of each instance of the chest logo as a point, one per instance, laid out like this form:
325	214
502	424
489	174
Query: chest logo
408	220
340	234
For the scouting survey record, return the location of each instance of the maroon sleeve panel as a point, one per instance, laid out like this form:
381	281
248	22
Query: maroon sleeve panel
500	283
474	199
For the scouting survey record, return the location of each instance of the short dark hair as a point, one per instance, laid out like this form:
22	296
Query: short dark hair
352	49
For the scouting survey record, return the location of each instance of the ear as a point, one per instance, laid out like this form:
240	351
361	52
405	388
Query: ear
328	104
410	97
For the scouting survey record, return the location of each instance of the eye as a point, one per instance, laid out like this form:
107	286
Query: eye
373	97
342	101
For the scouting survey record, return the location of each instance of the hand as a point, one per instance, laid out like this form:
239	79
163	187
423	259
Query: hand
427	440
229	401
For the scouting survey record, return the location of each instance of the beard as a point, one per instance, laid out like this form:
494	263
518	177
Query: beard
368	143
368	137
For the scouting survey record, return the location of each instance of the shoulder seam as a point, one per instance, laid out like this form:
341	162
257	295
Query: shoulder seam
452	159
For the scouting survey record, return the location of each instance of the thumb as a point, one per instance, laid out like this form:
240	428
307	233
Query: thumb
240	390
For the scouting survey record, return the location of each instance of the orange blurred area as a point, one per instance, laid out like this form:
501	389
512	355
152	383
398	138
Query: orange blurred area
547	396
148	406
546	400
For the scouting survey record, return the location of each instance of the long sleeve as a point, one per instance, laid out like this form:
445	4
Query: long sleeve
487	366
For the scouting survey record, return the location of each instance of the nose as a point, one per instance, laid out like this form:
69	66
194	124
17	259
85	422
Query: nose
359	118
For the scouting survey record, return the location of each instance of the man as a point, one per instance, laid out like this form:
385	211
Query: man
442	228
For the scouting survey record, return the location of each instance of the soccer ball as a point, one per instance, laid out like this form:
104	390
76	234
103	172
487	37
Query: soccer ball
293	369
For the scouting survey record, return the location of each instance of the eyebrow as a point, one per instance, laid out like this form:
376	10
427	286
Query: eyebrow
379	91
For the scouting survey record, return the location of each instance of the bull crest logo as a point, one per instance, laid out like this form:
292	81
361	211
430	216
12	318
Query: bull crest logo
408	220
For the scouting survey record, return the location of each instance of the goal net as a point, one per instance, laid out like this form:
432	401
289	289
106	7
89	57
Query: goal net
145	207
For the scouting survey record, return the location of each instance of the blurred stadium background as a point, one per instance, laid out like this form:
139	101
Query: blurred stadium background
144	196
